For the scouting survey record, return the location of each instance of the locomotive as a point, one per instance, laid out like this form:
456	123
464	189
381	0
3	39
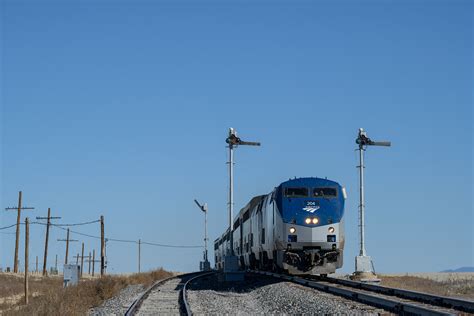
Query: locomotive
297	228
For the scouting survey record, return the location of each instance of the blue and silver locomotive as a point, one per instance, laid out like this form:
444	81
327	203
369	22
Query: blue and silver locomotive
297	228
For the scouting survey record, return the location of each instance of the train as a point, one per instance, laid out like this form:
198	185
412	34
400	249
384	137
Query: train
298	228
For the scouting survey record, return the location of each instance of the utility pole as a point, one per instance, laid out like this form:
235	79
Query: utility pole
56	264
139	254
93	261
102	247
82	260
27	242
19	208
48	223
89	263
67	240
36	270
364	269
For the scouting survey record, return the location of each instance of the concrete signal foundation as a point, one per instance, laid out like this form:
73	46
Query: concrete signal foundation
231	270
364	271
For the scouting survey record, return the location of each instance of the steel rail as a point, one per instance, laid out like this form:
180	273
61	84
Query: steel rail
442	301
138	302
399	307
184	295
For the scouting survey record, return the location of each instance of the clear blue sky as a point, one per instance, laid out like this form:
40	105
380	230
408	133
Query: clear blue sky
122	108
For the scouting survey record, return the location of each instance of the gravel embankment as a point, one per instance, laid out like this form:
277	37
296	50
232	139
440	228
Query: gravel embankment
119	304
269	296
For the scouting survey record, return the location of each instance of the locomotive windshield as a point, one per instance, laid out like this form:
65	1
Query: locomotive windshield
296	192
325	192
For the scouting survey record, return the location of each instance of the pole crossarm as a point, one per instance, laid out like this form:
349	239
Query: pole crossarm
15	208
18	208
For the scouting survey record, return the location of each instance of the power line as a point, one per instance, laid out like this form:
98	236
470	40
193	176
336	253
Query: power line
78	224
75	232
86	235
108	239
169	246
6	227
122	240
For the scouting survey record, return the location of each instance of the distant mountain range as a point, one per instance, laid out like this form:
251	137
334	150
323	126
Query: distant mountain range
463	269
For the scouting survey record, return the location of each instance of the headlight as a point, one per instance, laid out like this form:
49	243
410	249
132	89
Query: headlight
315	220
292	230
308	220
331	230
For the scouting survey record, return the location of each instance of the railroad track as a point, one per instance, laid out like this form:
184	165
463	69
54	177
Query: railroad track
395	300
166	297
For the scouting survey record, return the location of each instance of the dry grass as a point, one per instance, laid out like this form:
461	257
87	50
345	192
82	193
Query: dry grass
11	288
52	299
463	288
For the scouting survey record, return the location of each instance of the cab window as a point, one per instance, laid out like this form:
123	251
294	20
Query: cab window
325	192
296	192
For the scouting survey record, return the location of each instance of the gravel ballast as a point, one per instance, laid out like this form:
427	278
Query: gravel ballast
119	304
263	295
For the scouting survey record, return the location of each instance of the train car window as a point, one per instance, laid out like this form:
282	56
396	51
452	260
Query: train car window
296	192
246	216
325	192
263	235
236	224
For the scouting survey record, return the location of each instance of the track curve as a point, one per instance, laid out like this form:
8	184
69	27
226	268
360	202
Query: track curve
167	296
391	299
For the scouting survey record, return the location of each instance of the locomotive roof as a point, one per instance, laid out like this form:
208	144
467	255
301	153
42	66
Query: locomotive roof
307	182
250	205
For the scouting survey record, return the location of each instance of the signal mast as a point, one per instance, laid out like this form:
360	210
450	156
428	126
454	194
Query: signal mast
364	267
204	265
231	263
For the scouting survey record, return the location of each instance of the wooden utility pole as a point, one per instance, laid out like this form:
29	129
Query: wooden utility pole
56	264
93	261
89	263
18	219
139	254
48	223
82	260
67	247
102	247
27	241
67	240
36	270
